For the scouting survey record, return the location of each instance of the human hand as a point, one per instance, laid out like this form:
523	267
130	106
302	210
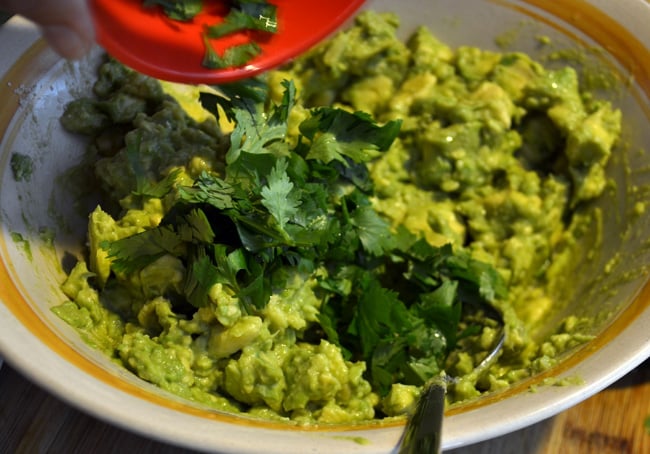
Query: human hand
65	24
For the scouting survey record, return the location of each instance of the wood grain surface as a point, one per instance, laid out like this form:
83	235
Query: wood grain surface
33	421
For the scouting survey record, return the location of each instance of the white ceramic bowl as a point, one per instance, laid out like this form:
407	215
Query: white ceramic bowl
34	87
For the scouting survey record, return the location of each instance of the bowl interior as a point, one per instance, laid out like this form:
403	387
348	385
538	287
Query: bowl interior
43	223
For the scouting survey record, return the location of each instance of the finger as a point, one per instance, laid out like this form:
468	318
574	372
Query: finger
67	25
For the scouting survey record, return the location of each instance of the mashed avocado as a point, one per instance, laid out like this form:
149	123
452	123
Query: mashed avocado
496	155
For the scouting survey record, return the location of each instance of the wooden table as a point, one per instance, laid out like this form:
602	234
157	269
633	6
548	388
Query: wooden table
33	421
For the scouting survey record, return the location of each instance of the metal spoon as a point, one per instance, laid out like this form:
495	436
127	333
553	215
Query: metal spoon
423	433
147	40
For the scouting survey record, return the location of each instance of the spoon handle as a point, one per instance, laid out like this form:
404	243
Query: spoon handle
424	431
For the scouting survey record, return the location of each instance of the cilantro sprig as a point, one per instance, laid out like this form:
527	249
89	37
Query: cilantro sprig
389	297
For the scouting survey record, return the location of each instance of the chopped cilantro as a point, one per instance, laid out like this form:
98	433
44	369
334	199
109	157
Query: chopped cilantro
389	297
246	15
232	57
182	10
22	166
278	195
243	15
337	134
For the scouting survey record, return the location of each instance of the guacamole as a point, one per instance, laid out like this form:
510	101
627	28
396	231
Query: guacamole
494	158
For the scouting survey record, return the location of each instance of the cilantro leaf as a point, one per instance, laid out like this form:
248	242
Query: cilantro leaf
195	227
243	105
482	278
388	357
257	291
278	195
137	251
157	189
232	57
379	313
201	276
251	134
337	134
210	190
374	231
229	265
246	15
236	95
440	307
183	10
280	112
